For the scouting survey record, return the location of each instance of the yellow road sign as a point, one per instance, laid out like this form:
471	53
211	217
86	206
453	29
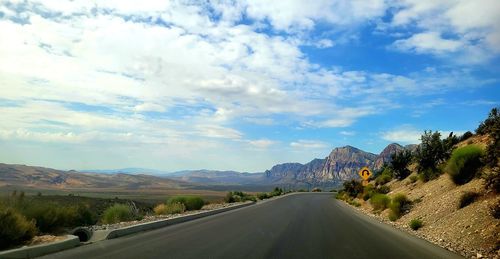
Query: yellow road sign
365	173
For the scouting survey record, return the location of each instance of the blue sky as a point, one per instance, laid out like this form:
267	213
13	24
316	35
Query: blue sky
237	85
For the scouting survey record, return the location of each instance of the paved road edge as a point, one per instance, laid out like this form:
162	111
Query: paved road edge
167	222
42	249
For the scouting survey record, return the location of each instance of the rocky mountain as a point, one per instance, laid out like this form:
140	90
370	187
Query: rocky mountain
342	164
385	156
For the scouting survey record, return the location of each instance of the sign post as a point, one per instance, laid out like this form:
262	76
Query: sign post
365	173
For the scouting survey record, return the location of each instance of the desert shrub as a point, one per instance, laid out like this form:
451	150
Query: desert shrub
173	208
342	195
399	164
14	228
467	198
276	192
393	216
415	224
413	178
398	206
465	136
495	210
353	188
51	217
380	201
492	180
354	203
238	196
368	191
384	189
464	163
384	177
190	202
263	195
117	213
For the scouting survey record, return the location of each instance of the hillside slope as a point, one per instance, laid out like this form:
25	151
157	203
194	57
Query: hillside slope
471	231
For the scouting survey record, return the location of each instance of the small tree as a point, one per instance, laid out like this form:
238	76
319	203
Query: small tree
430	153
490	124
399	164
491	157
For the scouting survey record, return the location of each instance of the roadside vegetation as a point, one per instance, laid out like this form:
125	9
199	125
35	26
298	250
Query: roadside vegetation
415	224
457	156
189	202
118	213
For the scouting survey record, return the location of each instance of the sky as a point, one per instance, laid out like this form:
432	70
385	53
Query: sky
237	85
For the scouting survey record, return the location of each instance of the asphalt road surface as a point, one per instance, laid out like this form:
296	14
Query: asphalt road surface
295	226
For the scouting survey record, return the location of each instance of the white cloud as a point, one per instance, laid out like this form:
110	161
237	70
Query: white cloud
428	42
348	133
409	135
262	143
473	26
152	107
89	71
404	135
308	144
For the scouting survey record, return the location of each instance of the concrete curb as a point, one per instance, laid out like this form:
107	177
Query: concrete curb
42	249
160	223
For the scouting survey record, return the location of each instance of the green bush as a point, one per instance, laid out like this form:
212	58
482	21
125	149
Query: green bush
191	202
52	218
342	195
117	213
238	196
263	195
369	191
467	198
354	203
353	188
380	201
384	189
398	206
393	216
384	177
464	163
413	178
276	192
14	228
415	224
173	208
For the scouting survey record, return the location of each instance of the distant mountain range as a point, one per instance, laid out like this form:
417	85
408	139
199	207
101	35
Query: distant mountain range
41	177
342	164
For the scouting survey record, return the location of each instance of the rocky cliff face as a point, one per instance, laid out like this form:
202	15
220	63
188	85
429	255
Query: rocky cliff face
342	164
385	155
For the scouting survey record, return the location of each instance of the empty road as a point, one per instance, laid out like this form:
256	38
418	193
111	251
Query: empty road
309	225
